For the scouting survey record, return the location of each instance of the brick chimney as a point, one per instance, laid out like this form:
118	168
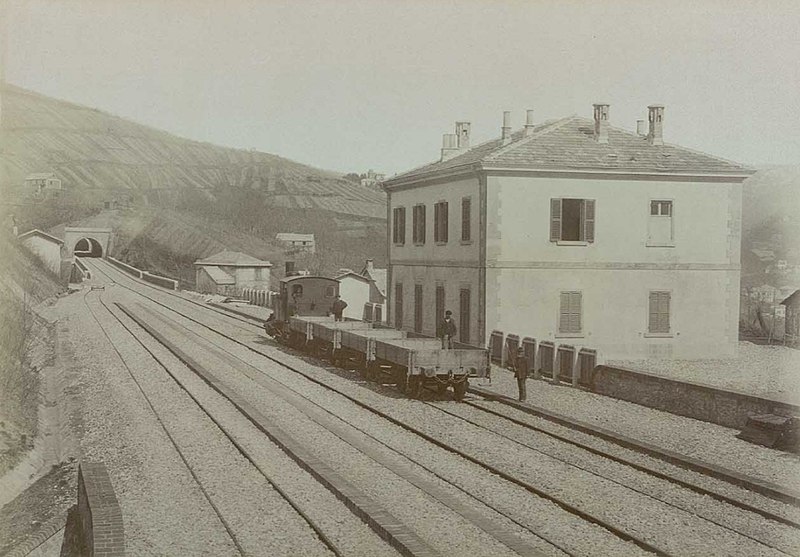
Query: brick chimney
289	269
370	266
601	122
506	127
528	122
462	131
449	146
655	136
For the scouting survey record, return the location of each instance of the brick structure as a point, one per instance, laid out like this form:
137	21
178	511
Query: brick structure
94	526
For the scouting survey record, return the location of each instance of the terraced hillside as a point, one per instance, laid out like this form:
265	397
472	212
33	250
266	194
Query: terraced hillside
89	149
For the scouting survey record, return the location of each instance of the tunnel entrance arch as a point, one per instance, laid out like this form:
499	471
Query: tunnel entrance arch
88	247
87	242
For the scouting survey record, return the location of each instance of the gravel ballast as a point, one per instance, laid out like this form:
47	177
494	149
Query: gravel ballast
260	519
728	542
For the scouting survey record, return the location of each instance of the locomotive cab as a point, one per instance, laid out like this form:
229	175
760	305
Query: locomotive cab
302	296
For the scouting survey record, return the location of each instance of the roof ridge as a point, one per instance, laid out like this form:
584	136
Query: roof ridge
548	127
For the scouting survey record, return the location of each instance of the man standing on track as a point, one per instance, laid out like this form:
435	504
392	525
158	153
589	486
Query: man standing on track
338	308
447	330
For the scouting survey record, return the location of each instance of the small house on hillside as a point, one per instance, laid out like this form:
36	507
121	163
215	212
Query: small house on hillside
228	272
45	247
43	184
792	323
297	242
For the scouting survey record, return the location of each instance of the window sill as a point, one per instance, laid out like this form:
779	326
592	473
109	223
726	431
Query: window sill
658	335
466	242
660	244
571	243
399	245
441	243
570	335
419	243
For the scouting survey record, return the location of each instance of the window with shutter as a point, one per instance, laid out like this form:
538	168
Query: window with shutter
398	306
572	220
570	321
464	315
418	308
439	303
419	224
440	222
466	216
399	226
658	311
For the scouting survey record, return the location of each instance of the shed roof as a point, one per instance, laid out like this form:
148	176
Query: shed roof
233	259
218	275
568	144
352	274
45	235
294	237
792	299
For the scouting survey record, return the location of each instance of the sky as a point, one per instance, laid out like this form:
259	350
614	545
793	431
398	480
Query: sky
351	85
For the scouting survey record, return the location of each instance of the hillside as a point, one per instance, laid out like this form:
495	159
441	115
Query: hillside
89	149
179	200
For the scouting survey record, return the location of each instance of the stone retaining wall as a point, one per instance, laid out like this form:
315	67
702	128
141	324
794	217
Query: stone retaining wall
725	407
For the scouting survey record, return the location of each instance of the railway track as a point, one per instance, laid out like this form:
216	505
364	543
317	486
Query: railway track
247	453
508	477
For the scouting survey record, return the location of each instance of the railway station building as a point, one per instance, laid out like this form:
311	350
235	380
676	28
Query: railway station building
571	231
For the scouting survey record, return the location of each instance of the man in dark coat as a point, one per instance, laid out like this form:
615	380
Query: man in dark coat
447	330
521	373
338	308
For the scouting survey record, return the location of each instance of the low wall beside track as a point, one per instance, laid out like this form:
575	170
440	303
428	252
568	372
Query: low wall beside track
144	275
94	526
726	407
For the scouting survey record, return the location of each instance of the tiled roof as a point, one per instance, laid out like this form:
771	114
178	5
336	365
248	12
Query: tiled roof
293	237
45	235
791	299
569	144
218	275
233	258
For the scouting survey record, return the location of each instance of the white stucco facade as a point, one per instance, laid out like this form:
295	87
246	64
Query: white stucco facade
45	248
354	290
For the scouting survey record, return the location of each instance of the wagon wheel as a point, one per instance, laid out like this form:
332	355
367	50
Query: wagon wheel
416	386
460	389
402	381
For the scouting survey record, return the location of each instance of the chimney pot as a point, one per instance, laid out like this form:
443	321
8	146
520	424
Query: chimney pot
601	122
370	265
528	122
462	132
655	135
506	127
449	145
640	128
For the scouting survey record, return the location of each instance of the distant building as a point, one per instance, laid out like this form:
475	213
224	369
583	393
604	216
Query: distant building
372	178
45	247
297	242
43	184
377	277
353	289
228	272
563	231
792	322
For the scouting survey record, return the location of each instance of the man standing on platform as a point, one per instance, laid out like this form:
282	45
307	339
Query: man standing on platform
521	373
338	308
447	330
